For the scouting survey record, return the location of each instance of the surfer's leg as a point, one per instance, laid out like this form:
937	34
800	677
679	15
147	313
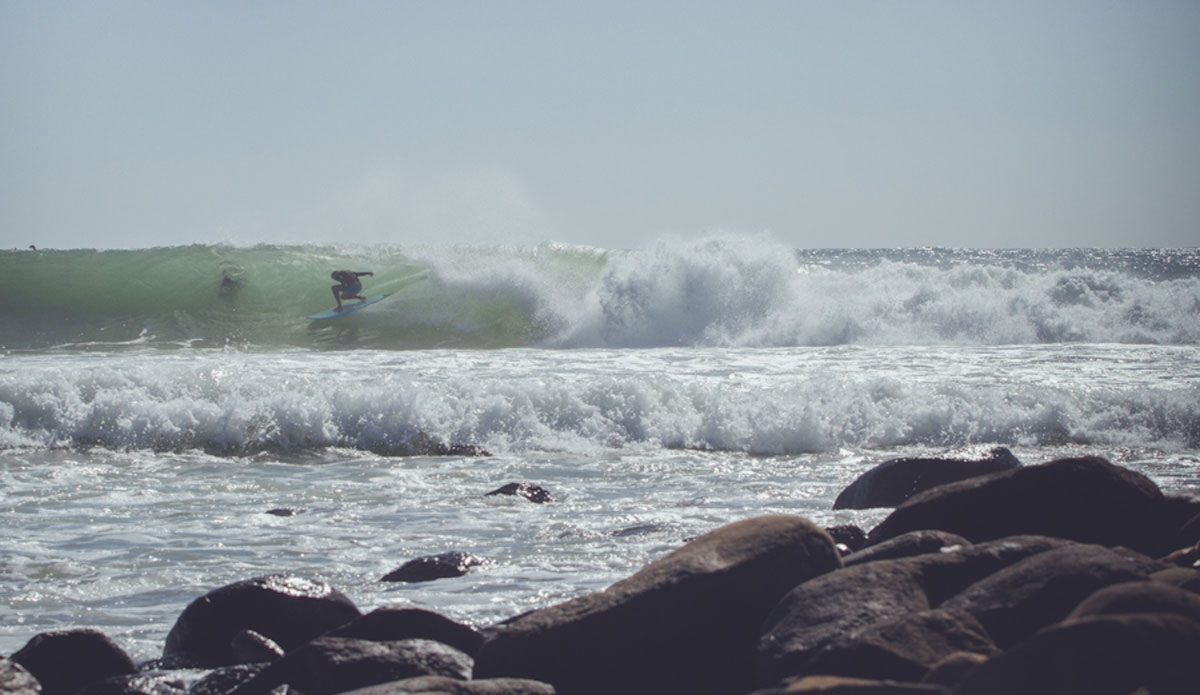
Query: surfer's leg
338	296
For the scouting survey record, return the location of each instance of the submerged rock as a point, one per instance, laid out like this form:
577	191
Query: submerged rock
531	492
424	569
686	623
285	609
894	481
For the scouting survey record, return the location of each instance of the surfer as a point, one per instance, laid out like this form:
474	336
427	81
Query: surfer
348	286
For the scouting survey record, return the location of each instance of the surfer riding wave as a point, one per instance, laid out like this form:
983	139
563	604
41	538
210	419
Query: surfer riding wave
349	286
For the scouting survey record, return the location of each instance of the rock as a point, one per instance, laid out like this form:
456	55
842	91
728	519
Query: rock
225	679
907	545
1182	577
903	648
440	685
848	537
896	480
836	607
286	609
953	669
391	624
329	665
1083	499
1016	601
15	679
424	569
249	647
1139	597
1096	655
1184	557
285	511
65	661
684	623
531	492
844	685
1183	514
156	683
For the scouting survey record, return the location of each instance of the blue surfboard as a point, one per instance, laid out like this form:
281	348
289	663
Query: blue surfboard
349	307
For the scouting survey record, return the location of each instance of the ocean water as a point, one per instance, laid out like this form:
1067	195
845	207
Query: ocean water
156	404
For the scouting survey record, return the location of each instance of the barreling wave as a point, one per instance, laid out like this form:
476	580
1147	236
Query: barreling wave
717	291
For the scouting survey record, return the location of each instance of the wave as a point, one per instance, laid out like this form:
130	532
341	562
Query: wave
440	402
716	291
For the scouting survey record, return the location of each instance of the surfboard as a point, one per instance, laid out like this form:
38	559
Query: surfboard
349	307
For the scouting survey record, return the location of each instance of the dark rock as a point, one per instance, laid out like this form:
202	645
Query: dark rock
392	624
1183	515
424	569
894	481
845	685
286	609
1038	591
155	683
1182	577
638	530
903	648
1140	597
836	607
225	679
329	665
1096	655
849	538
65	661
439	685
250	647
15	679
531	492
953	669
1084	499
285	511
685	623
907	545
1184	557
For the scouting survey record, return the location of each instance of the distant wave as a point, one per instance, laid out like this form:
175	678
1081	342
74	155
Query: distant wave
716	291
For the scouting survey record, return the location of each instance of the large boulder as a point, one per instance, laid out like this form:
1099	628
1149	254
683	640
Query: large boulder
1022	598
329	665
835	611
1139	597
389	624
286	609
65	661
1096	655
894	481
1082	499
685	623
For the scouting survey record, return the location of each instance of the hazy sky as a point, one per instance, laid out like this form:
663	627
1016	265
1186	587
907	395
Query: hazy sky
1045	123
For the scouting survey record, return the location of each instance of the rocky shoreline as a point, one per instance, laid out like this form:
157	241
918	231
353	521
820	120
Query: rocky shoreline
1072	576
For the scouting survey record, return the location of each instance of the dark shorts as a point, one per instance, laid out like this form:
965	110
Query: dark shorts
351	290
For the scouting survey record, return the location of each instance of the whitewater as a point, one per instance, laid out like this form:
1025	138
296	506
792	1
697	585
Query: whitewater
160	407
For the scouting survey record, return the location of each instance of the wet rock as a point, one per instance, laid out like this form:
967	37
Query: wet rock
531	492
685	623
1083	499
1139	597
830	609
285	511
1182	577
953	669
250	647
225	679
1016	601
392	624
329	665
894	481
156	683
907	545
424	569
66	661
441	685
15	679
849	538
286	609
1096	655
